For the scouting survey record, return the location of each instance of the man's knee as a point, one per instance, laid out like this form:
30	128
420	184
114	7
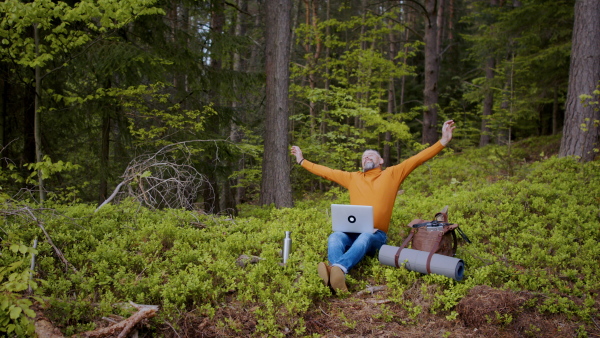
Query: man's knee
365	238
371	241
337	238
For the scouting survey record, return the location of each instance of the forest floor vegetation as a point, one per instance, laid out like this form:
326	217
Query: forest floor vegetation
531	270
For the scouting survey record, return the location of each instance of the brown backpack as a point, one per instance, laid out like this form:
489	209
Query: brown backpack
436	237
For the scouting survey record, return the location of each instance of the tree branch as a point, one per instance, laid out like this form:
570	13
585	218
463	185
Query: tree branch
123	328
49	240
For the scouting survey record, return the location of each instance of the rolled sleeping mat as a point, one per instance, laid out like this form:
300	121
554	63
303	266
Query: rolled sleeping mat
416	260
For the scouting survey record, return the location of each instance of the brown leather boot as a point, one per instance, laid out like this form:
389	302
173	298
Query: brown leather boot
337	279
324	270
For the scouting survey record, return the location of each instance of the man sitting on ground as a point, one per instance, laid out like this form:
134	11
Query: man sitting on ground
375	187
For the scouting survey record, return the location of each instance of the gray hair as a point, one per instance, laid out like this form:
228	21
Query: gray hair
378	154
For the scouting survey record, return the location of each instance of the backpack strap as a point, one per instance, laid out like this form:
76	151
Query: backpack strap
455	240
441	216
463	235
448	227
404	244
435	248
407	240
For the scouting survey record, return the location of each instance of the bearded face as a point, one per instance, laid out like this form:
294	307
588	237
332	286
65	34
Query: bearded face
368	166
371	160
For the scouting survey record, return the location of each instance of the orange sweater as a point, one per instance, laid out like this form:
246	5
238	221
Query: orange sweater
377	188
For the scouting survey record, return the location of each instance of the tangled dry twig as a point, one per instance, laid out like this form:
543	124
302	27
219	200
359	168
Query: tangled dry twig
165	179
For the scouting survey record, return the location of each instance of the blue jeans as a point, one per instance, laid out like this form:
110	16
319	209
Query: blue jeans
347	249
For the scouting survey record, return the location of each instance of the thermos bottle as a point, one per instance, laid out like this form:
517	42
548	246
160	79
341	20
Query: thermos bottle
287	246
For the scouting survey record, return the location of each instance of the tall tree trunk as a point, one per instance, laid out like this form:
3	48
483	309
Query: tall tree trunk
4	112
104	156
440	25
313	58
555	111
211	195
361	96
503	133
28	155
407	17
36	121
432	68
255	62
171	16
236	133
391	106
276	186
488	103
488	100
324	112
581	130
450	22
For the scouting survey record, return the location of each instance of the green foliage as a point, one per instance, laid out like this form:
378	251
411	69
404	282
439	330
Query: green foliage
356	95
535	231
10	176
47	168
15	309
126	253
66	28
530	44
531	231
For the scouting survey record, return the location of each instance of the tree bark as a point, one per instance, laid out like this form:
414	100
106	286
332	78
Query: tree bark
28	154
5	96
555	111
450	22
581	130
391	106
488	103
324	112
104	152
440	25
503	131
432	68
211	194
313	57
236	133
36	120
276	186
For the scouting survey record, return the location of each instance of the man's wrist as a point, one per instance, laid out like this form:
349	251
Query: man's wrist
300	162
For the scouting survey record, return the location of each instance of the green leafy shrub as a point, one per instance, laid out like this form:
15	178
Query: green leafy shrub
15	308
535	230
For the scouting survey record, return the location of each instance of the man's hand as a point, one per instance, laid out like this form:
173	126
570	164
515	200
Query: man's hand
447	129
298	153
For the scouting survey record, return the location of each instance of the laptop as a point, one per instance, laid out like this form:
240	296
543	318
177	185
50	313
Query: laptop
352	218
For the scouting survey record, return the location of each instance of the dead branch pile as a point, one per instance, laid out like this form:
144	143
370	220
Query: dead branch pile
165	179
